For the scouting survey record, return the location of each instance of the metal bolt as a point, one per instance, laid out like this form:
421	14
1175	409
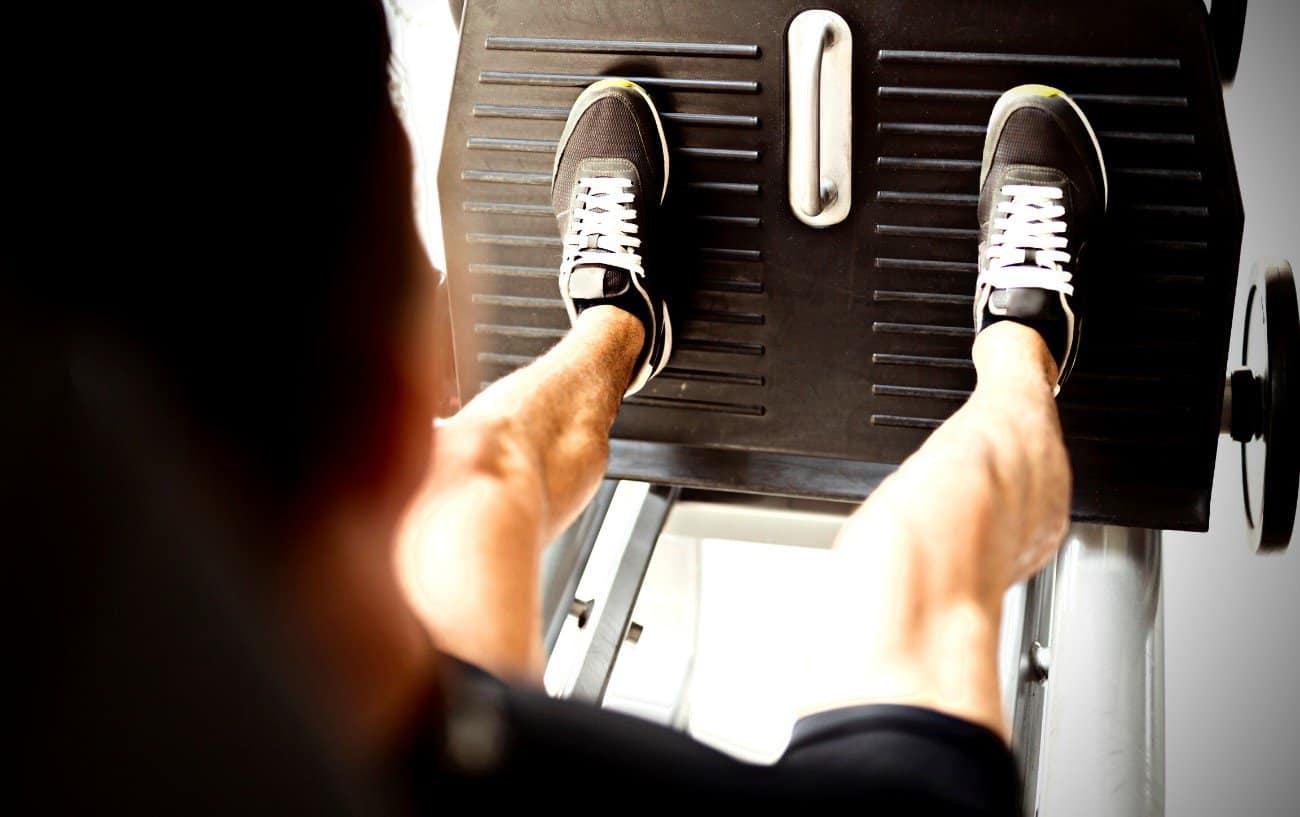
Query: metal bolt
582	609
1040	662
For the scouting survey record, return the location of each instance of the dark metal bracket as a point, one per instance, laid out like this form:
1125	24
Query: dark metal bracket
613	614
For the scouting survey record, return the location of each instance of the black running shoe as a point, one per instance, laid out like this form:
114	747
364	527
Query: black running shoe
610	177
1043	192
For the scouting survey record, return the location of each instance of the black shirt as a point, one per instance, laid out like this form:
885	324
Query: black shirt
499	744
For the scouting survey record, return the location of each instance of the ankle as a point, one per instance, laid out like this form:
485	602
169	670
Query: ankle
616	330
1009	349
622	327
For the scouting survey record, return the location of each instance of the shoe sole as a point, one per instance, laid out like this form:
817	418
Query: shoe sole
580	106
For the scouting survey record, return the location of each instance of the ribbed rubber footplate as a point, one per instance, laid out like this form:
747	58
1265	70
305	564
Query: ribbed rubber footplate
852	343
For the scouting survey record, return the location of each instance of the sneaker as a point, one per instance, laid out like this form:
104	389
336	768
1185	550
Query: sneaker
1043	192
609	181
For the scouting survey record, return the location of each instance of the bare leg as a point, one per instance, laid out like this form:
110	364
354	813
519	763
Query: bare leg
510	471
926	559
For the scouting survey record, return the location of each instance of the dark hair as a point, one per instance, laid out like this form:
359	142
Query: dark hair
235	202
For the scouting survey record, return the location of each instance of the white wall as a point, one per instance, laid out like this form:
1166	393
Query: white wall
1232	648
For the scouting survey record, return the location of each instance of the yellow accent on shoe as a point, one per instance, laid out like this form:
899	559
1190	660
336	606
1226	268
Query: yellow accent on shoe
614	82
1036	90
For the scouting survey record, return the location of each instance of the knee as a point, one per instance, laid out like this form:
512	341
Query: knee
996	465
982	469
490	447
1017	474
938	493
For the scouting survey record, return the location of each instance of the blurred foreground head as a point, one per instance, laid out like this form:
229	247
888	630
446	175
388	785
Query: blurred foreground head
215	358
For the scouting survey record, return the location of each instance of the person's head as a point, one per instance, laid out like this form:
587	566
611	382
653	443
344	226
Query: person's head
226	204
236	205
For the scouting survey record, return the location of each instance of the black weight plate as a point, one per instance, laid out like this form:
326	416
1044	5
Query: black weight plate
1270	463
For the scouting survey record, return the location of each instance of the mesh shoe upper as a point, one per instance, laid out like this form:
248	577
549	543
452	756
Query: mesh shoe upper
610	127
1041	135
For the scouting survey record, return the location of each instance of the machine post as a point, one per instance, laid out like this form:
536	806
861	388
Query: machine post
1103	728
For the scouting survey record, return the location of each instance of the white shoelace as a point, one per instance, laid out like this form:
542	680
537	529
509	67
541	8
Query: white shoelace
1028	244
601	229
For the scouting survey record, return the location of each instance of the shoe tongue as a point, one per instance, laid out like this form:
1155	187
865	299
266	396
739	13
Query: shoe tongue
1032	174
1031	257
593	281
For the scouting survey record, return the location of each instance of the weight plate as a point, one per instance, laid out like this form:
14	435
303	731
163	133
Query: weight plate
1270	460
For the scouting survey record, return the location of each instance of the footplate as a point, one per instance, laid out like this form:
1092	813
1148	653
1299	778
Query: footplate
809	360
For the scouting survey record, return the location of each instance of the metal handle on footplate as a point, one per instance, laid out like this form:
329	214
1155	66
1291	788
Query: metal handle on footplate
820	52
